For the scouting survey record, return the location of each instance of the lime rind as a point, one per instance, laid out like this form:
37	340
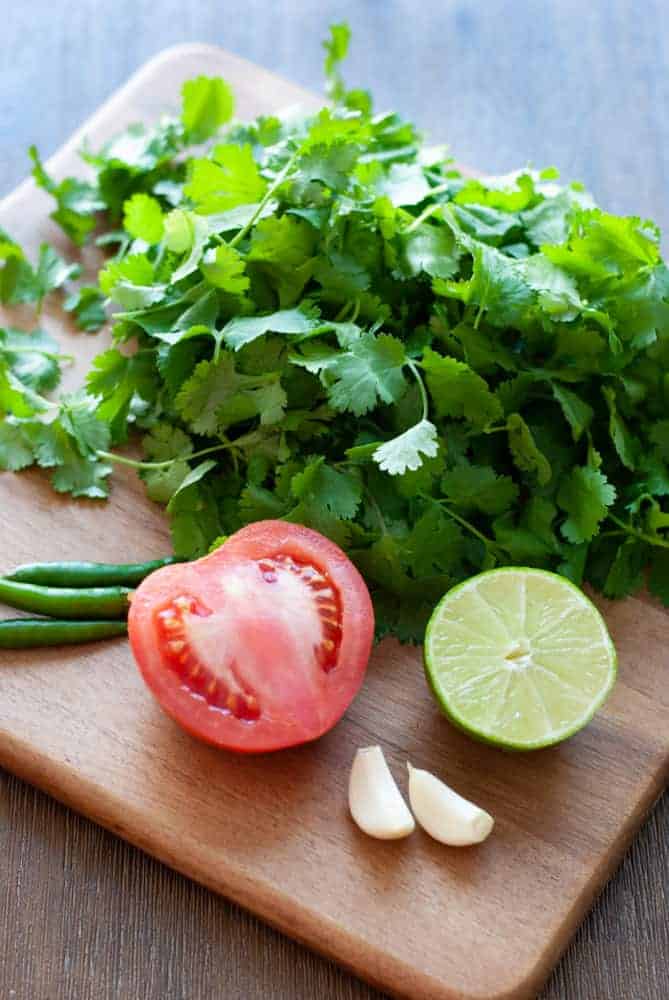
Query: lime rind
467	659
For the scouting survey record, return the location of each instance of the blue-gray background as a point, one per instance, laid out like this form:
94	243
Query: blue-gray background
581	84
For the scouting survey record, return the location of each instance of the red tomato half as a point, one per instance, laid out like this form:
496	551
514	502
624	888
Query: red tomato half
263	644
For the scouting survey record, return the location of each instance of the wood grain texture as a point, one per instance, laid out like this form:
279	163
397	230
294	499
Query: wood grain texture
157	962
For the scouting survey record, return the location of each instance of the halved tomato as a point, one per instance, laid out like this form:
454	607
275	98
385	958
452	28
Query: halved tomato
261	645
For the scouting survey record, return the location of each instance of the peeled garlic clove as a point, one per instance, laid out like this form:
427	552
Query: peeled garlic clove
443	813
374	799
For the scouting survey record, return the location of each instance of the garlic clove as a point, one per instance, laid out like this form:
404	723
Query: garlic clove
443	813
374	799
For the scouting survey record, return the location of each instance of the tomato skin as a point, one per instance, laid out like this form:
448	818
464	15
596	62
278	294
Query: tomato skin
299	698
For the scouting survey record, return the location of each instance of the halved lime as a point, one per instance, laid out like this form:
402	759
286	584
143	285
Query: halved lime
519	657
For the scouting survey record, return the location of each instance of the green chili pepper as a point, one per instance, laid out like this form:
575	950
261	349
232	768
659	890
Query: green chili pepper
66	602
26	633
87	574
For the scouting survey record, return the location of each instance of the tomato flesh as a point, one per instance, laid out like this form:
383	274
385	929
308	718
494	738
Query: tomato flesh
260	645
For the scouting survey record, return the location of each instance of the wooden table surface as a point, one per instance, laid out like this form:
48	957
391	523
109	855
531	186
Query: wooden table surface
584	86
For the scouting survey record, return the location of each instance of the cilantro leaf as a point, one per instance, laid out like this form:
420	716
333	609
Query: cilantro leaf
186	233
435	544
405	452
577	412
530	538
79	475
499	287
626	573
16	450
231	178
526	454
16	274
457	390
336	49
585	495
33	358
129	282
659	435
242	330
166	443
192	477
52	271
474	487
550	220
258	504
404	184
623	441
69	444
207	104
16	397
194	521
339	493
19	283
369	371
217	396
116	379
432	250
78	202
87	304
557	292
224	268
143	218
283	249
79	418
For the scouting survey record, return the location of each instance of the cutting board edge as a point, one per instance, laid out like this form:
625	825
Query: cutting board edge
324	937
65	786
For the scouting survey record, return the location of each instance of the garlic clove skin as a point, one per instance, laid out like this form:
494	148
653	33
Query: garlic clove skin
374	799
443	813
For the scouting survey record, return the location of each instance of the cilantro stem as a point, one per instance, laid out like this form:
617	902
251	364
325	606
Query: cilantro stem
51	355
423	392
477	431
268	195
431	209
377	510
440	188
467	525
488	542
137	464
420	219
342	312
641	535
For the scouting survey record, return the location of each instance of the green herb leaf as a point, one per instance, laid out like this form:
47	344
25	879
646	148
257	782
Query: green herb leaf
526	455
339	493
585	495
457	391
143	218
232	178
406	451
208	103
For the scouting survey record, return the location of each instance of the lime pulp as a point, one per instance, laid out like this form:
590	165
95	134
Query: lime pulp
519	657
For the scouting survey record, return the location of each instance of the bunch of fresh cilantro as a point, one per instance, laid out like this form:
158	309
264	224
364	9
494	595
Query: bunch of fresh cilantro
319	318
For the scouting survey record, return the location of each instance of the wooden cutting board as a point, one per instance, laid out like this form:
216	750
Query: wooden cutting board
417	919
